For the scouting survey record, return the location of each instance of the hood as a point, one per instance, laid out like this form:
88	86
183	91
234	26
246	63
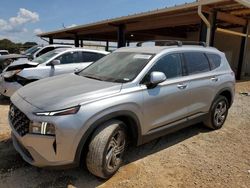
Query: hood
21	64
11	56
66	91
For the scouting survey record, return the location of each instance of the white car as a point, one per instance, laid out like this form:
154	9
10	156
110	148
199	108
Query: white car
44	49
55	62
4	52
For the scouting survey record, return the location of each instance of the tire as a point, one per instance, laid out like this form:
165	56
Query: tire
101	160
218	113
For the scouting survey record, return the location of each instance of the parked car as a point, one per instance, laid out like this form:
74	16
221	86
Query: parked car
6	60
4	52
29	54
31	51
46	49
132	95
58	61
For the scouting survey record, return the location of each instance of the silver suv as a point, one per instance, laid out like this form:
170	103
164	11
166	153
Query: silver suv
132	95
55	62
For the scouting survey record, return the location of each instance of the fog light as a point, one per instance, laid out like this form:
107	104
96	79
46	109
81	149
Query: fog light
43	128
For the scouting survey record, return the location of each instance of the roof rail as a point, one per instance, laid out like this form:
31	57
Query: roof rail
174	43
194	43
163	42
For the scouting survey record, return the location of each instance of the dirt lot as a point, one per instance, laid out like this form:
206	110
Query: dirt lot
193	157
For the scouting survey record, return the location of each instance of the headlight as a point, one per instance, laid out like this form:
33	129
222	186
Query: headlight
9	74
63	112
43	128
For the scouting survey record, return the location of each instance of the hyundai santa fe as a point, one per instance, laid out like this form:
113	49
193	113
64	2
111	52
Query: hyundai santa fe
133	95
55	62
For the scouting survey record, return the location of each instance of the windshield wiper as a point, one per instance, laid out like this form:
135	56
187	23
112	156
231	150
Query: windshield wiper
93	77
117	80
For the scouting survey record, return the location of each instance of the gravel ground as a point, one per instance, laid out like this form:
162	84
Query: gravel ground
193	157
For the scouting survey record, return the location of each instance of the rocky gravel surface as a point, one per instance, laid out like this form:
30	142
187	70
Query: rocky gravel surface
193	157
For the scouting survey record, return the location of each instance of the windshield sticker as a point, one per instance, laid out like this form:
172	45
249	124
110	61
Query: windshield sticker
126	79
142	56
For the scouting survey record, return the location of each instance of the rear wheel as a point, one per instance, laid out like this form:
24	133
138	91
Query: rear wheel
106	149
218	113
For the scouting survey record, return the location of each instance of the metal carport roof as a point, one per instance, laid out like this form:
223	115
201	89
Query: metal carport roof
171	22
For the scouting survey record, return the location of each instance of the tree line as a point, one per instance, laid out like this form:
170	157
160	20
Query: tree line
6	44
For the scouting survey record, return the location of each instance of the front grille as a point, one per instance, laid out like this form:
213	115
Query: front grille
19	120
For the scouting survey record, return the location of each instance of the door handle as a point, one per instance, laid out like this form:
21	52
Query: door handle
182	86
214	79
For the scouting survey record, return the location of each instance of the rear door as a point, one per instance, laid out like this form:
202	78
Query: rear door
201	83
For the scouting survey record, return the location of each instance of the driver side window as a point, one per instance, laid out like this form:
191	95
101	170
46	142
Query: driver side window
170	65
69	57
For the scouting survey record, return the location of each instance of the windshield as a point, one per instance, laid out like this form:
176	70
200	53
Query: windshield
45	57
117	67
32	50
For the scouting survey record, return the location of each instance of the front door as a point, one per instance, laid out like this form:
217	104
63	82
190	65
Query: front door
69	63
167	102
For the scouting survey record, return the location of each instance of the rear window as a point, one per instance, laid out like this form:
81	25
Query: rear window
215	60
196	62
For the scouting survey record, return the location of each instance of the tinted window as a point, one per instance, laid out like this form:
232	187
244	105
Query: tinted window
69	57
170	65
214	60
45	50
196	62
91	57
4	53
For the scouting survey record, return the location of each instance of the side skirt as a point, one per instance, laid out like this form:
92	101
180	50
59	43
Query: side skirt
172	127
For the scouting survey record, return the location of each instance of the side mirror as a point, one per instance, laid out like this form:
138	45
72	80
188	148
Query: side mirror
55	62
156	78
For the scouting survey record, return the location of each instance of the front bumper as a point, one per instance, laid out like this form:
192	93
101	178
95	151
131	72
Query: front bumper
42	150
8	88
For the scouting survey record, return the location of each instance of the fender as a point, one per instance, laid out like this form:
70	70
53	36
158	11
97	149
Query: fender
228	89
85	138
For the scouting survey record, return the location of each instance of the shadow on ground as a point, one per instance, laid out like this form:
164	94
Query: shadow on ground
4	100
10	160
136	153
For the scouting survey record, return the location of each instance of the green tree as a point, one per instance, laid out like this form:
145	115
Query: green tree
12	47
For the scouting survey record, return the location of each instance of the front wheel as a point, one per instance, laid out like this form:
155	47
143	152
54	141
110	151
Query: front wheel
106	149
218	113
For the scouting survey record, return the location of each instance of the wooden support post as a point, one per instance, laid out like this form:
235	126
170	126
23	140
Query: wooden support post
128	43
50	40
203	30
243	47
107	46
121	41
76	41
214	27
